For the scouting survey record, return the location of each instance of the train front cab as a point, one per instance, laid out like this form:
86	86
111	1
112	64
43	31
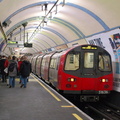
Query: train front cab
87	71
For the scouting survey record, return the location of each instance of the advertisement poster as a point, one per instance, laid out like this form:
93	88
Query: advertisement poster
110	41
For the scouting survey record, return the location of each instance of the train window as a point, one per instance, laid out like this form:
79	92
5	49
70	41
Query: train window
88	60
54	66
43	62
58	62
53	63
104	62
72	61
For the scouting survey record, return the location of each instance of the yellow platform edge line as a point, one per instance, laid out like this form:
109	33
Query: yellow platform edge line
67	106
77	117
18	79
47	89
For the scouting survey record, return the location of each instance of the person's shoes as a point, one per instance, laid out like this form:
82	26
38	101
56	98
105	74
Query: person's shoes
10	86
21	86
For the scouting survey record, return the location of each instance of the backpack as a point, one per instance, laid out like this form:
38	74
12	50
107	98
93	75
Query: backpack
11	66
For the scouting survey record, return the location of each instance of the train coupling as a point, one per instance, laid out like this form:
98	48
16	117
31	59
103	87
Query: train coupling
89	98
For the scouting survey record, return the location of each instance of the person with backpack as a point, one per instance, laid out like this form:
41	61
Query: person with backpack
12	71
25	70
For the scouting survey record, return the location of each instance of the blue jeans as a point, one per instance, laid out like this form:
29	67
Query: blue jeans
12	81
20	78
24	81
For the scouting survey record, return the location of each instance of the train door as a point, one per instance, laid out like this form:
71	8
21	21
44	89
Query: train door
53	71
88	63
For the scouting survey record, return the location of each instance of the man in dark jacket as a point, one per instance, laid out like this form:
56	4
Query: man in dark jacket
25	70
2	67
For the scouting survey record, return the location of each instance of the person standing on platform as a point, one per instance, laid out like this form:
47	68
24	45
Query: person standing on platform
12	71
2	67
25	70
8	60
19	64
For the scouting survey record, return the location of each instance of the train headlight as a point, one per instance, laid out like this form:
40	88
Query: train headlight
71	79
104	80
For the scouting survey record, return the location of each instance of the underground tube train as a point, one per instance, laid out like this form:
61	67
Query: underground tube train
84	70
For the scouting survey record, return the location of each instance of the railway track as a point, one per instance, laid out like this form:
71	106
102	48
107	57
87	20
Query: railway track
104	111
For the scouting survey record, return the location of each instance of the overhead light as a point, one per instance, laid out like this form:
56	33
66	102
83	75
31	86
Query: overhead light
25	24
45	6
6	23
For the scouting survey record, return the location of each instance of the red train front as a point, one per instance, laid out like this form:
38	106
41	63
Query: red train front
85	70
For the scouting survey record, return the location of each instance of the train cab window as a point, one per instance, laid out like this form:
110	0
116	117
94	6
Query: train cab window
72	61
88	60
104	62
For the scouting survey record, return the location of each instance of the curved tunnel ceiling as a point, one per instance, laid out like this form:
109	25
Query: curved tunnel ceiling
67	21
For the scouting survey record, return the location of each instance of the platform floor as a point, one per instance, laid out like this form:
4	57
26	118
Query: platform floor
36	102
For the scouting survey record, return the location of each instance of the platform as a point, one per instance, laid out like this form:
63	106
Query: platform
36	102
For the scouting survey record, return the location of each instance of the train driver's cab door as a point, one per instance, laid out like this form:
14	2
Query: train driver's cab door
88	63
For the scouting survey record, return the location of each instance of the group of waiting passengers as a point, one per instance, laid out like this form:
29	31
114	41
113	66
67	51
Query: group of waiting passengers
11	67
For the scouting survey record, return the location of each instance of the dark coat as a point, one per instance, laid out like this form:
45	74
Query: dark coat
2	62
25	69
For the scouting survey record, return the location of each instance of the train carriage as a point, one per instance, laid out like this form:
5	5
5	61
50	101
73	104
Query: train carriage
45	66
38	65
34	59
53	69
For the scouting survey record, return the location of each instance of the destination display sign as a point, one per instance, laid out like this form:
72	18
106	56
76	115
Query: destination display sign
89	47
15	44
